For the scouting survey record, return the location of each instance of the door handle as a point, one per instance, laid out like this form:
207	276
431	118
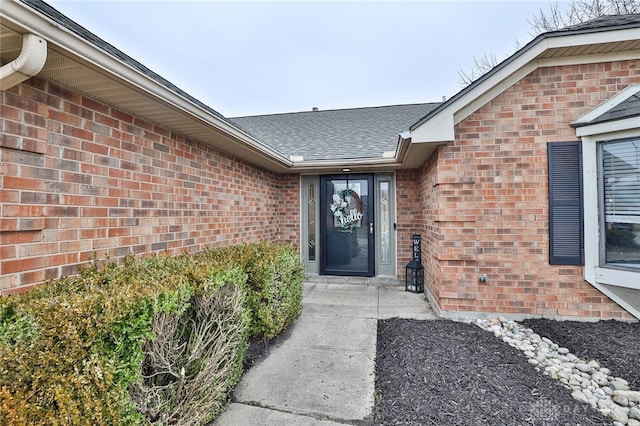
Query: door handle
371	227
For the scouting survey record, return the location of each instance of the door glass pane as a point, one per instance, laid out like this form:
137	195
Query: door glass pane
621	182
311	221
384	223
347	225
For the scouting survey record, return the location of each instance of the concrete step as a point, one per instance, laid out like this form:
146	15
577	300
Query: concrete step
332	279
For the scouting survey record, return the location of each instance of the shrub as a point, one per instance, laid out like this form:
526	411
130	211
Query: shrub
274	280
159	340
196	355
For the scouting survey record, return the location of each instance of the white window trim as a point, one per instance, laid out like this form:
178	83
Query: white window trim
591	136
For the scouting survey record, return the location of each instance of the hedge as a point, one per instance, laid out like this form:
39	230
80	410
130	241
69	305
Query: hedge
274	280
153	341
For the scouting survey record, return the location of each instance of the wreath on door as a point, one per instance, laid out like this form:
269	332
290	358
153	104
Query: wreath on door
347	208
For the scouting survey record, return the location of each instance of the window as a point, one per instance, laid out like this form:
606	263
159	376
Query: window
611	217
619	191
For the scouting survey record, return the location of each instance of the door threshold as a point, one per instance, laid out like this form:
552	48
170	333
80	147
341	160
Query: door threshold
335	279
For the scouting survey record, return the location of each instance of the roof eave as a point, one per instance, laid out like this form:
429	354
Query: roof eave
23	18
438	124
340	165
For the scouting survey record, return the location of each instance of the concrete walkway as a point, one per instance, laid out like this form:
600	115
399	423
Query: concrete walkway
323	373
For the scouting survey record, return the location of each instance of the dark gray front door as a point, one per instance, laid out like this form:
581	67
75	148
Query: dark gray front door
346	225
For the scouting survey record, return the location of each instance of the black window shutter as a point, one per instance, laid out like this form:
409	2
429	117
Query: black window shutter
566	237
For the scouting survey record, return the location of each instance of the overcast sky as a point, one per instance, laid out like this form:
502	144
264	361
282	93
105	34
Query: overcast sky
263	57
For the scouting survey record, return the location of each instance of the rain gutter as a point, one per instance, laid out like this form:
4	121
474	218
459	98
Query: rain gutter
29	62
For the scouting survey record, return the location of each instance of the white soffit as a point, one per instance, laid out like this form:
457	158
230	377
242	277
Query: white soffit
549	51
75	63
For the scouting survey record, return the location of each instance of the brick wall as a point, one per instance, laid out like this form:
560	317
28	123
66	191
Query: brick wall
410	215
82	179
486	199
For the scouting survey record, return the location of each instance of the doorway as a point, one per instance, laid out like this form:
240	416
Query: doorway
347	234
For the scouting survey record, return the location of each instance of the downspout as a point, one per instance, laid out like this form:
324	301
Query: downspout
29	63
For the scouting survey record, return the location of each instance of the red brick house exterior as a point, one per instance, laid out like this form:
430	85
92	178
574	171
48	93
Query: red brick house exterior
486	198
83	180
101	157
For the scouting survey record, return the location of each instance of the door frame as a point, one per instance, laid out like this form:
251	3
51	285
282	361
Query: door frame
310	244
367	222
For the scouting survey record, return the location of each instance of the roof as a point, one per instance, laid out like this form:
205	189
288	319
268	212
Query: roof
79	30
624	105
80	60
630	107
335	134
536	51
328	140
603	22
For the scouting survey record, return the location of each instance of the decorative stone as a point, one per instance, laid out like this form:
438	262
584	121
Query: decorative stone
579	396
605	404
618	384
585	368
599	393
575	380
600	378
629	394
621	400
619	414
588	382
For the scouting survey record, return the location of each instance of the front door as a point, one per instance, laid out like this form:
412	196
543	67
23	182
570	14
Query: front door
346	225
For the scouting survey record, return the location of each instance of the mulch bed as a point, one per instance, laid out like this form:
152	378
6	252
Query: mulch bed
614	344
442	372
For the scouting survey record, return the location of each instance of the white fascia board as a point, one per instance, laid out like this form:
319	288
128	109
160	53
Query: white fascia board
612	128
22	16
613	296
606	106
440	126
617	278
355	162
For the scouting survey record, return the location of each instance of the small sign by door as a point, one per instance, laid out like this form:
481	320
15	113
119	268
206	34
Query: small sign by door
417	248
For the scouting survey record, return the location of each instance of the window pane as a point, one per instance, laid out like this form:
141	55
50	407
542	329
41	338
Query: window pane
621	186
385	213
311	221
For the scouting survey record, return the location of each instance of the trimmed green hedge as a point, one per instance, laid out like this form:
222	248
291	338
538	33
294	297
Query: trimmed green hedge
139	343
274	280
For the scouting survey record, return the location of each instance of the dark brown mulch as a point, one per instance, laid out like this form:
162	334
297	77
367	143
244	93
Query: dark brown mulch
614	344
447	373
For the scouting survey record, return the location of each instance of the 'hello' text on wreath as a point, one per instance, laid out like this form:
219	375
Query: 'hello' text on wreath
347	208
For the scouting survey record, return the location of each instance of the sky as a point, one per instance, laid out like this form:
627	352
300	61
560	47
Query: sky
264	57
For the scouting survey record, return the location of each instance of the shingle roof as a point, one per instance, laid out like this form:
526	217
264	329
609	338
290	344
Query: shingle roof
79	30
626	109
606	21
624	105
600	24
335	134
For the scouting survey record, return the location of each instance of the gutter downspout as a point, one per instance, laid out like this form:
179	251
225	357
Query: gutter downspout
29	63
